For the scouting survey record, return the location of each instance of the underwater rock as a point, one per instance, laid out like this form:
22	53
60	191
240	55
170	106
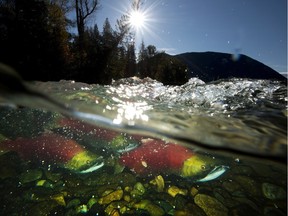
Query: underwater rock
127	198
115	195
2	138
273	211
160	197
43	208
231	186
174	190
242	170
193	209
30	176
158	181
210	205
115	212
193	191
104	190
53	176
116	208
44	183
184	213
59	198
273	192
180	201
249	185
147	205
165	205
244	210
73	203
239	194
72	181
138	190
246	201
96	209
91	202
106	179
82	209
224	197
125	179
11	165
37	194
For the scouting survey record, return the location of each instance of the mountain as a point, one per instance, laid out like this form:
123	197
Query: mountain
210	66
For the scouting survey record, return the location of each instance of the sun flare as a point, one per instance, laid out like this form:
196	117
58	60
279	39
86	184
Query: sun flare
141	19
137	19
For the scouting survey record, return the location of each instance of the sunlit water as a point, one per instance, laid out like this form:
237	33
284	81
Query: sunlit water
123	139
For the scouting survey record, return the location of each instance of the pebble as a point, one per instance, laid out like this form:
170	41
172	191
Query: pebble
149	207
83	209
174	190
273	192
115	195
158	181
193	191
59	198
138	190
73	203
248	184
30	176
210	205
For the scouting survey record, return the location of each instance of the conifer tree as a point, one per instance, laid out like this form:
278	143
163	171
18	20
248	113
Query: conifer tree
35	40
142	60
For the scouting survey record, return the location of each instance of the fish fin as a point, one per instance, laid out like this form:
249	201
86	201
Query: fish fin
216	172
118	168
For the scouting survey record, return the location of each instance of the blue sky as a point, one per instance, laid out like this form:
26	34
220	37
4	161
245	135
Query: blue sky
257	28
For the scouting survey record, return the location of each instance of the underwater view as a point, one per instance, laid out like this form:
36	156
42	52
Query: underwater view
139	147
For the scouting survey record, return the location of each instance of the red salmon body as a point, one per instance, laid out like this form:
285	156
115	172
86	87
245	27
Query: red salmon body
155	156
47	147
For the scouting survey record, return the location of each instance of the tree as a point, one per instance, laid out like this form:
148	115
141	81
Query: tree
142	52
66	6
57	24
142	60
151	51
35	40
84	9
109	39
110	42
131	61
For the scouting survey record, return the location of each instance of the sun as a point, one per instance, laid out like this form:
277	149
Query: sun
141	20
137	19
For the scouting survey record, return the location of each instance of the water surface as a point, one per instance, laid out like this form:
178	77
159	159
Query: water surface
171	148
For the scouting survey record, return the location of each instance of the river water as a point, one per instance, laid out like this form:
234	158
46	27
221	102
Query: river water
138	147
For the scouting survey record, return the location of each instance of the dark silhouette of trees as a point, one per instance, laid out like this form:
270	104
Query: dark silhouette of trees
131	61
161	66
84	9
142	61
34	39
151	51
